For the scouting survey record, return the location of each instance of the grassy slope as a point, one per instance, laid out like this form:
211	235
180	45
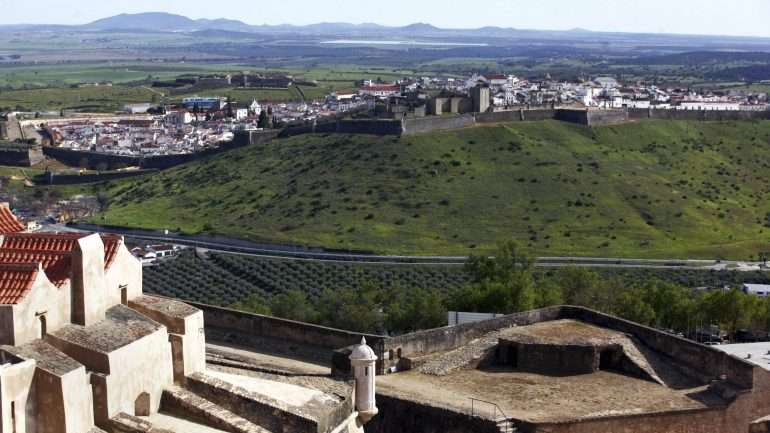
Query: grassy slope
653	189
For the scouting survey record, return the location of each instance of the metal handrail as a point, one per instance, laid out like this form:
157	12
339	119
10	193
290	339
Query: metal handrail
494	406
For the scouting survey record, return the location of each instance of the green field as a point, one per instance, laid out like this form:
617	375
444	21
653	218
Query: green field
652	189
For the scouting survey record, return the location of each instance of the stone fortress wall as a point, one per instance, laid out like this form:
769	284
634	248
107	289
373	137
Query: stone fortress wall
406	126
737	378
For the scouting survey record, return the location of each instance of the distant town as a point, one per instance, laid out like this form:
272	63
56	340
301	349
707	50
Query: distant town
202	122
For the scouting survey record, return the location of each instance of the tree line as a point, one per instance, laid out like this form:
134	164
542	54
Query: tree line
510	283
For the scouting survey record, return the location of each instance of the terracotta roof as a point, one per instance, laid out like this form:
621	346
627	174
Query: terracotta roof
57	266
59	243
8	221
16	281
52	251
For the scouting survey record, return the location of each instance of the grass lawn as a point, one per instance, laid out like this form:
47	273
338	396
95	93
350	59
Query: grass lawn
650	189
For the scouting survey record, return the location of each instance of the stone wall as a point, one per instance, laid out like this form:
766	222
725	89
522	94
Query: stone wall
448	338
714	420
265	412
366	126
593	117
240	327
710	362
75	179
697	115
105	161
398	415
21	156
437	123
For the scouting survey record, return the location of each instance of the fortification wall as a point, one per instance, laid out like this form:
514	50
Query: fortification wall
75	179
398	415
92	160
242	326
698	115
437	123
451	337
366	126
607	117
21	157
106	161
712	420
709	362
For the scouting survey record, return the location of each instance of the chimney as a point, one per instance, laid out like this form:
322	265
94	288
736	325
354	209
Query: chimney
88	281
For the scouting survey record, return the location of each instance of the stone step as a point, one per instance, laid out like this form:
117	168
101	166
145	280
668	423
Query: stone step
125	423
186	404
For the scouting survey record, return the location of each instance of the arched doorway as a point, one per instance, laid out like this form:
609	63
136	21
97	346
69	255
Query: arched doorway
142	405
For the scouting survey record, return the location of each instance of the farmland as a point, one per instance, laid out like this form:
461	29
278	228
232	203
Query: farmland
225	279
235	280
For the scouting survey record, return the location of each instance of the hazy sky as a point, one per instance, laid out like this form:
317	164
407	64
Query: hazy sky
724	17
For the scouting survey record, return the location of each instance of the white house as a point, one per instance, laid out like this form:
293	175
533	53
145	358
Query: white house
761	290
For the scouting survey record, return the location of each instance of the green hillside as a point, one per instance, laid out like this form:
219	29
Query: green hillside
649	189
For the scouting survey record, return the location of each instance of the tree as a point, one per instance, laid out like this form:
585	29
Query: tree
353	309
502	284
293	305
264	122
634	308
579	286
253	304
412	310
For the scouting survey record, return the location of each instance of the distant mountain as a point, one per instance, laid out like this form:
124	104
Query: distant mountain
225	24
160	21
165	22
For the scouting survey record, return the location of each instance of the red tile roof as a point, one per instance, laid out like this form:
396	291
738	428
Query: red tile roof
52	251
58	243
57	266
8	221
16	281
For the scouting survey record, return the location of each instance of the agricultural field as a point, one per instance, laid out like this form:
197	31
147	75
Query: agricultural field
224	279
94	99
227	279
658	189
52	87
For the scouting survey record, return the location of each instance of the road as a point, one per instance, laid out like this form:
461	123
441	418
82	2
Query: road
294	252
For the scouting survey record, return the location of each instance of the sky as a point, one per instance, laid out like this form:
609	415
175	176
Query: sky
718	17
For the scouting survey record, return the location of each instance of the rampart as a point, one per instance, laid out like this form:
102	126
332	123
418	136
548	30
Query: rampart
711	364
75	179
437	123
398	415
106	161
697	115
247	329
20	155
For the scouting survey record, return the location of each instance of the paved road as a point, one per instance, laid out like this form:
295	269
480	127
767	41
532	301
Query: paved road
293	252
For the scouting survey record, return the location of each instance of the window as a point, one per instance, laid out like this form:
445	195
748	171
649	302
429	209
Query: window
13	417
123	294
366	371
43	325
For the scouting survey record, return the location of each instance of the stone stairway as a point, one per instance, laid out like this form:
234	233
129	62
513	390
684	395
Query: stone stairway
506	426
125	423
183	403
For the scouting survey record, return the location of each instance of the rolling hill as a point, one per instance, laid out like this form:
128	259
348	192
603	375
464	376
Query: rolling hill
650	189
